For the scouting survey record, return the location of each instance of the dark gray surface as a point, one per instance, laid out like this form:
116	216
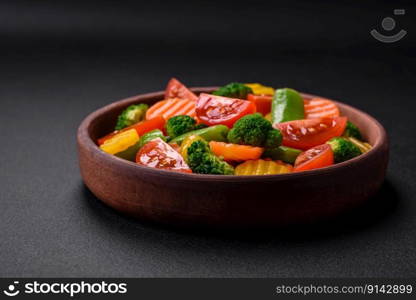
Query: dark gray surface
49	81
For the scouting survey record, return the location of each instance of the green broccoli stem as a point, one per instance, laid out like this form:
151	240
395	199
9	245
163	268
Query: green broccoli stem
282	153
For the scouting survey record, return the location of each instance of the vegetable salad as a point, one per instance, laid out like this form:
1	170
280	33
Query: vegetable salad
239	129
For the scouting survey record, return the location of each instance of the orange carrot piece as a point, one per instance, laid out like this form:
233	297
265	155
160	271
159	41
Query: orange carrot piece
234	151
171	107
320	108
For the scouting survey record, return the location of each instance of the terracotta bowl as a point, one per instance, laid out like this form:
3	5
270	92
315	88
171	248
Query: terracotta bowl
231	201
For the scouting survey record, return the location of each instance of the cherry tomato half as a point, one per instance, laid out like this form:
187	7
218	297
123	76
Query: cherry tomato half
160	155
308	133
175	89
215	110
314	158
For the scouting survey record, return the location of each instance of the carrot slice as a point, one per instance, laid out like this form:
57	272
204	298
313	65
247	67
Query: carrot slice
320	108
171	107
263	102
234	151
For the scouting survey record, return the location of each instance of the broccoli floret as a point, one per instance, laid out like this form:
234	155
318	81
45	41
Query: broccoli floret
273	139
351	130
234	90
179	125
256	131
343	149
202	160
131	115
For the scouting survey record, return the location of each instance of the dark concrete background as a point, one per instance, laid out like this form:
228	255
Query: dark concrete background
61	61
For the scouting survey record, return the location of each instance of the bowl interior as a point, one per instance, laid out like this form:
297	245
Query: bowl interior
103	120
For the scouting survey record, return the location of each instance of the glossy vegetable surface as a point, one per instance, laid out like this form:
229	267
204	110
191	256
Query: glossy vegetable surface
171	107
220	133
120	142
282	153
314	158
158	154
175	89
235	152
263	103
212	133
305	134
262	167
141	128
214	110
320	108
287	105
259	89
151	135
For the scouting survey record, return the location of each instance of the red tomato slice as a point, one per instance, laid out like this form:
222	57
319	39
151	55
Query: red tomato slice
263	102
308	133
141	128
175	89
214	110
314	158
160	155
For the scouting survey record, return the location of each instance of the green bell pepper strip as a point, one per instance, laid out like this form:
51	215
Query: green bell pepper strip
287	105
282	153
213	133
130	152
151	135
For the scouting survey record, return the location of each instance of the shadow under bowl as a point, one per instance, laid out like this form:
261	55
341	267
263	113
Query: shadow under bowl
228	201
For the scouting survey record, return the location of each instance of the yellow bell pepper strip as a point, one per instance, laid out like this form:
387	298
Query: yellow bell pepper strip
259	89
120	142
364	147
262	167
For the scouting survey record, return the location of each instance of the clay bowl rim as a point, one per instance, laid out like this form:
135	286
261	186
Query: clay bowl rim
84	139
